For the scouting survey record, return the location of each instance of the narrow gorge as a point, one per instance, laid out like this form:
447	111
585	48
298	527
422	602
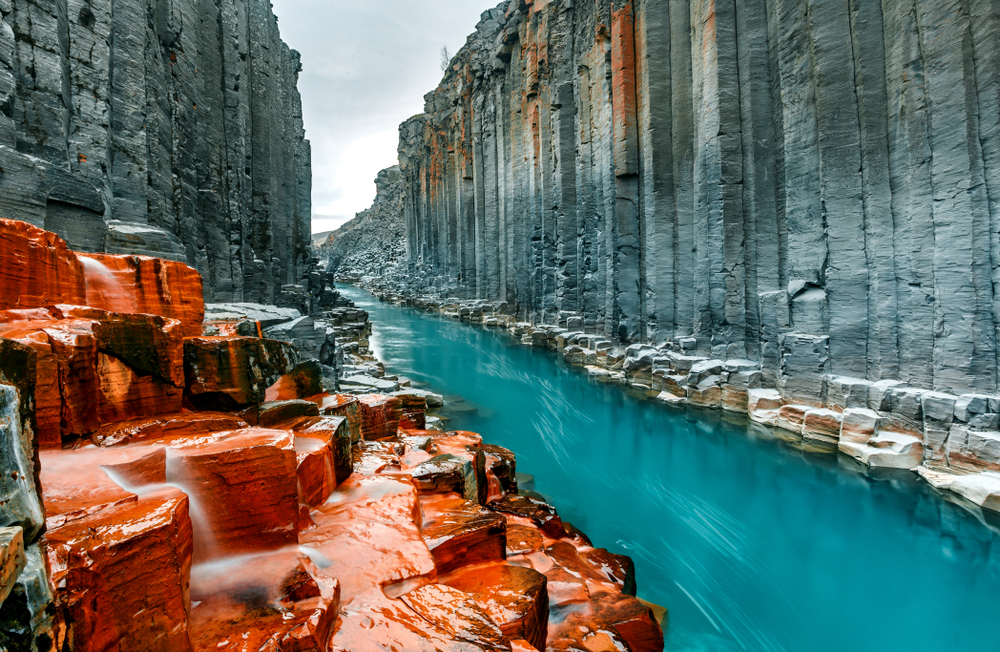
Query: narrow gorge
674	327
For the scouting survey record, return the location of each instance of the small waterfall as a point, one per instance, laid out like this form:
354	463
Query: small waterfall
104	288
201	524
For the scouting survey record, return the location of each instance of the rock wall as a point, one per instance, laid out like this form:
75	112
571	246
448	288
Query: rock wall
171	129
807	183
374	242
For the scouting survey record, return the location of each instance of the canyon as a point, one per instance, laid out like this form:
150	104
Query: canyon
781	208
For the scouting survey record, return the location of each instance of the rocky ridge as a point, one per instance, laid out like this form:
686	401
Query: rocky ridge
175	483
163	129
374	242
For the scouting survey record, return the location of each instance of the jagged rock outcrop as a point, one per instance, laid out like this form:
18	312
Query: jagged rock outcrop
165	129
808	184
373	243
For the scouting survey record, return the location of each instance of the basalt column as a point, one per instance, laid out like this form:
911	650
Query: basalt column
807	183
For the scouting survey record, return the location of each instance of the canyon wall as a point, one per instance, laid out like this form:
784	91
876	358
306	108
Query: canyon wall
807	183
165	128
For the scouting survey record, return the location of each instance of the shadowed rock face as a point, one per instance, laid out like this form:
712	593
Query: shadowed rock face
755	178
131	127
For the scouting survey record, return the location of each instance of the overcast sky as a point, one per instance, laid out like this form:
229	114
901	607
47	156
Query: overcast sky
366	67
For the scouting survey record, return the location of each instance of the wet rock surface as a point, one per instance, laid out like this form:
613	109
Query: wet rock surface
184	510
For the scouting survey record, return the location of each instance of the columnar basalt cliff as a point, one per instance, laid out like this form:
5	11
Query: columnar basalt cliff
171	129
808	184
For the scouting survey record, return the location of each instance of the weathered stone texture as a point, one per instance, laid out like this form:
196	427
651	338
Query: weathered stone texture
169	129
740	177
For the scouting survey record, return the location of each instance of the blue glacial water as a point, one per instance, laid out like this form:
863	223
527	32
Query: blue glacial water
749	541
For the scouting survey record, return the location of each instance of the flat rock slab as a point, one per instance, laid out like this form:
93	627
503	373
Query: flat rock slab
366	535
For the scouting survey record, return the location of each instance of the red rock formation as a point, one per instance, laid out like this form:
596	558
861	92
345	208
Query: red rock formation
379	416
101	565
245	483
459	532
343	405
232	372
38	268
145	285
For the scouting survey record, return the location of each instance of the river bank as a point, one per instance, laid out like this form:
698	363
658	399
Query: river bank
753	542
950	441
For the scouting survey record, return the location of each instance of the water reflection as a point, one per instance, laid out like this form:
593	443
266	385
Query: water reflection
752	540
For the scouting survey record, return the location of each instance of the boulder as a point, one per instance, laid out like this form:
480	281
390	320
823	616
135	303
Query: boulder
243	484
459	532
122	575
232	372
12	559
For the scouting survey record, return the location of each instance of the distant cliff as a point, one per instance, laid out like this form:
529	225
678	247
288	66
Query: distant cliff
726	174
165	128
374	242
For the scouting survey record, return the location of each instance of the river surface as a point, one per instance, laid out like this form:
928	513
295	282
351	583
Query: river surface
749	541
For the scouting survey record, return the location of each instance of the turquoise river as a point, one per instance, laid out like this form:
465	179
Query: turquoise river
751	542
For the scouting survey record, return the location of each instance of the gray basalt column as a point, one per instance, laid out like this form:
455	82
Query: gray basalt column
984	20
625	150
760	224
653	44
964	343
912	199
682	135
839	131
869	73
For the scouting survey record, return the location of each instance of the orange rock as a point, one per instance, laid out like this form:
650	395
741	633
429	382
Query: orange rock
619	569
122	365
126	394
375	457
244	481
122	575
516	598
37	269
456	613
502	464
284	604
376	623
149	343
323	451
232	372
532	506
633	620
172	425
459	532
66	382
366	535
276	413
77	483
139	284
343	405
303	382
379	416
523	540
